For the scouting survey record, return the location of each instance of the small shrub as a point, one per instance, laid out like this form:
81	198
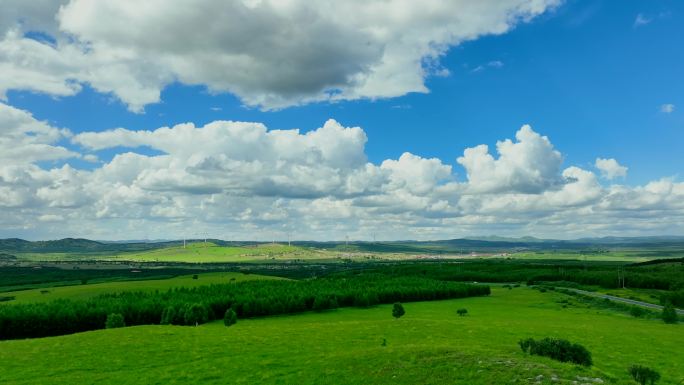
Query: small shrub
114	320
462	312
230	318
669	314
195	276
398	310
636	311
557	349
644	375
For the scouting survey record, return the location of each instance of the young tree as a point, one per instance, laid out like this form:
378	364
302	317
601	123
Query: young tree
230	318
114	320
644	375
398	310
669	314
462	312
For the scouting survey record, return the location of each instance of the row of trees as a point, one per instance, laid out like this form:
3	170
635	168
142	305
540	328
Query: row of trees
665	277
190	306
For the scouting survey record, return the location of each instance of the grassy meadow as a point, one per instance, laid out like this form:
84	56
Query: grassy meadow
429	345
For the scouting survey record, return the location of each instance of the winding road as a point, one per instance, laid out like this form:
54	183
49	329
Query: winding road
620	299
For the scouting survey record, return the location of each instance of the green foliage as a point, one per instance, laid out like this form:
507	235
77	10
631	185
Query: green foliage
230	317
169	316
669	314
114	320
644	375
557	349
324	302
676	298
398	310
662	277
366	299
247	299
462	312
637	311
196	314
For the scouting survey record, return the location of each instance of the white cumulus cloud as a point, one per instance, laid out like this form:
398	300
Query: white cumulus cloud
610	168
529	165
241	180
269	53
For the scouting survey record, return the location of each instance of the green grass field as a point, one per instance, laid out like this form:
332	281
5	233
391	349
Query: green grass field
612	256
429	345
198	252
94	289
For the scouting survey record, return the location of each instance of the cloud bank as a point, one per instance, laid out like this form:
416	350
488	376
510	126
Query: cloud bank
240	180
271	54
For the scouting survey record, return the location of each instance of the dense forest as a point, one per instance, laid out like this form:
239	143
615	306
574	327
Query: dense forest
189	306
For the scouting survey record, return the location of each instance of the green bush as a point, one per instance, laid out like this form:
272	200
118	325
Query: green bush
398	310
557	349
644	375
636	311
114	320
669	314
230	318
676	298
462	312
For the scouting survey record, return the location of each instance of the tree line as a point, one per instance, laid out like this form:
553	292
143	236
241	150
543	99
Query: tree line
665	277
190	306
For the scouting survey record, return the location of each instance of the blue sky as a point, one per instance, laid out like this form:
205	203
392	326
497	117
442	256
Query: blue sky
600	79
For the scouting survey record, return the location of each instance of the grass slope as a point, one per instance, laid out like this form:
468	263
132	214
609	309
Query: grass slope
209	252
429	345
91	290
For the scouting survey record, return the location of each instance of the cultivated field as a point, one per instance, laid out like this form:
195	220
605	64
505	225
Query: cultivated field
429	345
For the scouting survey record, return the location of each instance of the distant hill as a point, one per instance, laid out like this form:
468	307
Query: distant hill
72	245
459	245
